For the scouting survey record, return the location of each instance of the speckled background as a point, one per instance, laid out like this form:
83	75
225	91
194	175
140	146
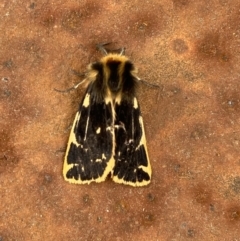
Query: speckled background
191	50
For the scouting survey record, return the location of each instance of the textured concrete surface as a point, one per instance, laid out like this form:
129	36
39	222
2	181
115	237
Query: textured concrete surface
191	50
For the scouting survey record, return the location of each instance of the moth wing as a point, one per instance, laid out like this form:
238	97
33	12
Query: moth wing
90	147
132	164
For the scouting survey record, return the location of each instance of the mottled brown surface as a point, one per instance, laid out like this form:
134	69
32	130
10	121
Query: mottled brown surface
189	48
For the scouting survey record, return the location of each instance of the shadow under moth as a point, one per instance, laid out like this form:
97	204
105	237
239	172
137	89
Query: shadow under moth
107	136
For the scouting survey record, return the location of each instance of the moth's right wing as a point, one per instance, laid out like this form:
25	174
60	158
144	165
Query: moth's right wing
132	165
89	154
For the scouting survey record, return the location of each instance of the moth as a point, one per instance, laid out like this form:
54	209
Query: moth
107	136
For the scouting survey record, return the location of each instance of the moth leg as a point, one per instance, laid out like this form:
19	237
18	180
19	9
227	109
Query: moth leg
78	74
72	88
147	83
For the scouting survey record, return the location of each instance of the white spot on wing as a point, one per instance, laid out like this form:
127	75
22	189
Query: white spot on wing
72	138
86	129
86	101
121	125
135	103
98	130
103	156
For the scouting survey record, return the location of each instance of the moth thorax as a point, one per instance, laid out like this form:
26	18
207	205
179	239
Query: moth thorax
113	75
114	85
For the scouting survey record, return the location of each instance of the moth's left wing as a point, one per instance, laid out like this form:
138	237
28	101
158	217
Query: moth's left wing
132	164
90	146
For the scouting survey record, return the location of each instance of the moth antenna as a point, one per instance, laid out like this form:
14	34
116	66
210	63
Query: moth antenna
101	48
122	52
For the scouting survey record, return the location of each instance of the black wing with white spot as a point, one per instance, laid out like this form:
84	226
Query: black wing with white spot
90	147
132	164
